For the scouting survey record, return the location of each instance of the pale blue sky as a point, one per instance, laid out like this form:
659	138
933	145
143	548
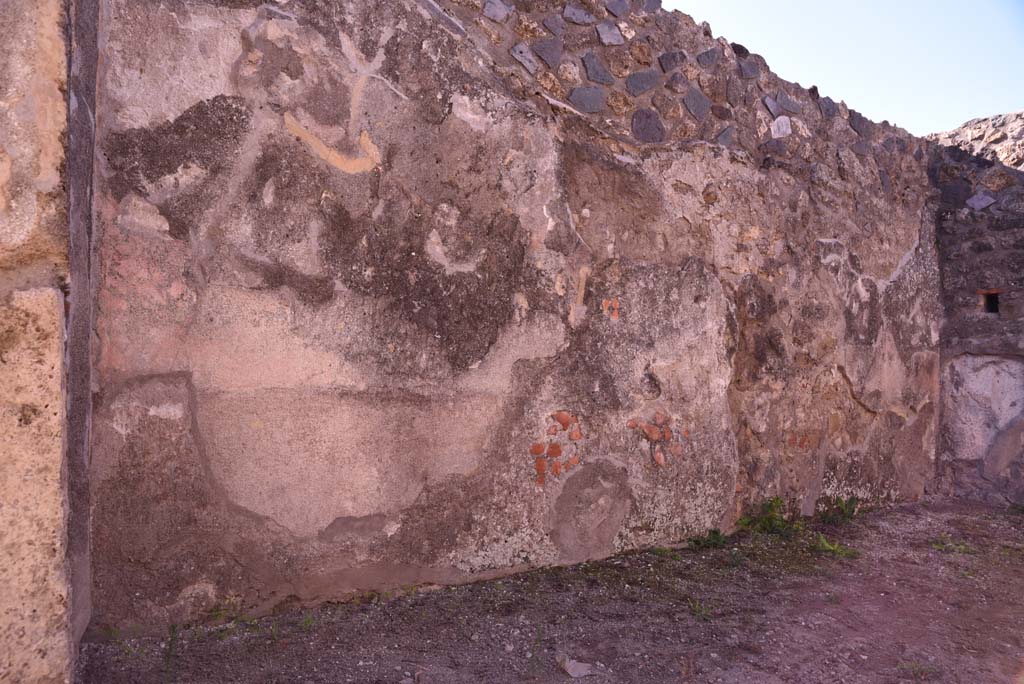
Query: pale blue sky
925	65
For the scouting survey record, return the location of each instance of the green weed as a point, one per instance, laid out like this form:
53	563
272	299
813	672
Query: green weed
839	511
699	610
918	672
771	519
662	552
172	644
712	540
945	544
823	545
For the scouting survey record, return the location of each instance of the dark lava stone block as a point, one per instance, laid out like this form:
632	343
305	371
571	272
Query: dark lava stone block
647	126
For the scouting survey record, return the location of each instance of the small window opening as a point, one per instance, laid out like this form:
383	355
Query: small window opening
991	302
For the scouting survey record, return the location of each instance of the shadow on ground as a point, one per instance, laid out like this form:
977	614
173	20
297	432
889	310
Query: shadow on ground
924	593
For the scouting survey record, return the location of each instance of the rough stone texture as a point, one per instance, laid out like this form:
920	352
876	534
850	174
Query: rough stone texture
983	397
577	15
588	99
596	70
981	243
647	126
618	8
33	225
609	33
642	82
550	50
35	638
496	10
35	641
998	138
375	307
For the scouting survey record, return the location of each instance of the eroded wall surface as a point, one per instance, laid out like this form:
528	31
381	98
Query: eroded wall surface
996	138
405	292
35	641
981	240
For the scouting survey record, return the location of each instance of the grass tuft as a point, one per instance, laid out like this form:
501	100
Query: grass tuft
771	519
945	544
712	540
699	610
823	545
839	511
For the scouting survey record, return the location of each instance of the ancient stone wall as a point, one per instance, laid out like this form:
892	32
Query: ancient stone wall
404	292
996	138
379	294
35	635
981	240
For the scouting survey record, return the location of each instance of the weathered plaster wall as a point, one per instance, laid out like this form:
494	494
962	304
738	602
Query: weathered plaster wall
399	292
35	640
981	240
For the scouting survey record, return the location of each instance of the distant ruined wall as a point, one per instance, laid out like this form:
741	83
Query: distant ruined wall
995	138
35	635
403	292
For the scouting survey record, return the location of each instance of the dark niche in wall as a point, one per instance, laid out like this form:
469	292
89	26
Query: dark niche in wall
989	300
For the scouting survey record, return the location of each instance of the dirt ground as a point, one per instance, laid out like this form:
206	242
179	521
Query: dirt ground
932	592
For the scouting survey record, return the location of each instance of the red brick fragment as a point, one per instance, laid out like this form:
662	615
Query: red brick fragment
540	465
563	418
632	423
556	468
554	450
536	449
576	435
659	457
651	432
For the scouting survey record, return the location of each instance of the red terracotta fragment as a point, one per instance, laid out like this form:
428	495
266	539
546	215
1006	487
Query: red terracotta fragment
632	423
651	432
556	468
536	449
563	418
554	450
659	457
576	435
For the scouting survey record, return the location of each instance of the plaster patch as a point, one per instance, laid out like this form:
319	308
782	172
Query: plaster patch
349	165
